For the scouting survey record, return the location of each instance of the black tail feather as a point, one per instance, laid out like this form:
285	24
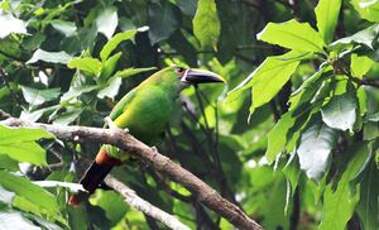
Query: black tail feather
94	176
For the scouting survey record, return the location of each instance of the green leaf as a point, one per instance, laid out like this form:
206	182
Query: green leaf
15	220
114	42
368	203
68	116
368	9
64	27
365	37
19	144
277	137
112	203
10	24
39	96
269	78
111	89
206	24
327	17
107	21
8	163
360	65
109	67
316	145
133	71
292	35
340	112
45	201
307	90
51	57
163	21
87	64
339	205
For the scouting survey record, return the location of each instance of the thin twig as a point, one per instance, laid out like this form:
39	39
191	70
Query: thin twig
142	205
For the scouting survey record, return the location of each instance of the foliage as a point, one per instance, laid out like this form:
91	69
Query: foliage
293	138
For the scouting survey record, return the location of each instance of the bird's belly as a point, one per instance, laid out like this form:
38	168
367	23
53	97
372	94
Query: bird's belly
147	120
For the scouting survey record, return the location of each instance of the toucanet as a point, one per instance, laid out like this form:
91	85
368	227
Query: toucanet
145	111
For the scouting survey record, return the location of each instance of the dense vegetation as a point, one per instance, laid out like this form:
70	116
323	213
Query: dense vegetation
293	138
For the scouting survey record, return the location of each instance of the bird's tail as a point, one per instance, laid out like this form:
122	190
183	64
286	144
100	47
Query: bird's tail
94	175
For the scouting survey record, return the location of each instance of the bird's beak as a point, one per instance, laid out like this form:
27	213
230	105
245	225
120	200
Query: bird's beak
198	76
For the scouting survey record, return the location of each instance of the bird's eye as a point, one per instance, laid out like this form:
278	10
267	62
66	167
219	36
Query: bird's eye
180	70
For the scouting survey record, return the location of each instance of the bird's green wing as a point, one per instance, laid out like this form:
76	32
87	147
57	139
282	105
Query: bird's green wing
119	108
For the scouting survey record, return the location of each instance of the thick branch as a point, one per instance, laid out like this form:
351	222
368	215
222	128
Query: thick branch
201	191
142	205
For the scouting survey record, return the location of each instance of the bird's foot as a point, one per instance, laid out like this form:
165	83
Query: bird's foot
113	126
154	149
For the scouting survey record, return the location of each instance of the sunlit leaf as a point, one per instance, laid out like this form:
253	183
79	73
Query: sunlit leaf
368	9
50	57
327	13
10	24
45	201
88	64
114	42
292	35
107	21
19	144
316	145
340	112
360	65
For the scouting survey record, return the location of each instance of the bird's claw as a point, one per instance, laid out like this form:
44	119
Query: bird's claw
113	126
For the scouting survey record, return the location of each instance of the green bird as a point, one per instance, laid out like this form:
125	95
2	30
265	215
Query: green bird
145	111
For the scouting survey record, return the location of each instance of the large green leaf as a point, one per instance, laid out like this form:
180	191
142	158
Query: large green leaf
273	68
39	96
327	12
87	64
206	24
316	145
163	21
365	37
277	137
107	21
360	65
292	35
19	144
112	203
339	204
368	9
340	112
269	78
115	41
51	57
10	24
45	201
368	209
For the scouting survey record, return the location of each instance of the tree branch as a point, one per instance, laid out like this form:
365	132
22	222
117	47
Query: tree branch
142	205
200	190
